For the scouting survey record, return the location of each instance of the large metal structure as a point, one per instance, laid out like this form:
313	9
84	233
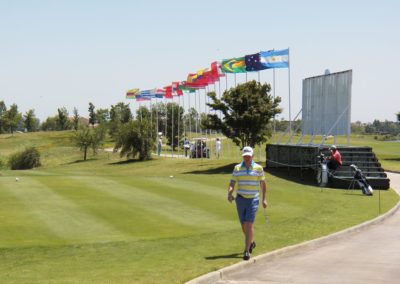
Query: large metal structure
326	108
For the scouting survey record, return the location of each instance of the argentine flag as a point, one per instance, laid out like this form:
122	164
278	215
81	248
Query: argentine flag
275	58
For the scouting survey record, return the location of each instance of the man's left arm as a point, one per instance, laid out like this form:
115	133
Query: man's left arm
263	185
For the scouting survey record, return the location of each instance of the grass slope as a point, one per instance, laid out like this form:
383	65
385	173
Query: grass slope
107	221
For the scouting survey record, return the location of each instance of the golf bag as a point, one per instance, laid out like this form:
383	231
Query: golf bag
360	178
322	171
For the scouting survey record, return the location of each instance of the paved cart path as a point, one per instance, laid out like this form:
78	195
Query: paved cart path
367	255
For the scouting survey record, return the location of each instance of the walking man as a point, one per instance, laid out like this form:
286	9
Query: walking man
249	177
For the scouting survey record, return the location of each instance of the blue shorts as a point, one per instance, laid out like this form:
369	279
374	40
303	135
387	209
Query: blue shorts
247	208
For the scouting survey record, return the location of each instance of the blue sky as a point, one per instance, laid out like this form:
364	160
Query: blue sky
69	53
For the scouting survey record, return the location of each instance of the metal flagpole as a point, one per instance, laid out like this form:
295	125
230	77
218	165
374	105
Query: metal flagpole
197	119
273	90
290	109
157	109
179	105
151	117
226	88
190	119
172	126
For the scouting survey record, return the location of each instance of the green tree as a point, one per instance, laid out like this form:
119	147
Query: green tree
92	114
3	111
398	117
119	114
159	114
12	118
247	112
62	119
174	135
75	119
30	120
50	124
103	115
190	119
89	138
135	139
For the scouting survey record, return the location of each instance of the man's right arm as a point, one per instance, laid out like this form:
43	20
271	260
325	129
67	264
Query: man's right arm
231	188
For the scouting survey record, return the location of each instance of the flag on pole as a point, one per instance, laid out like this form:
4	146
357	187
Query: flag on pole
158	93
168	92
234	65
184	87
175	89
216	69
253	62
132	93
275	58
140	98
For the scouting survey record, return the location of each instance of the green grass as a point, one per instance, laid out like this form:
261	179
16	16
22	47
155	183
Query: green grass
108	221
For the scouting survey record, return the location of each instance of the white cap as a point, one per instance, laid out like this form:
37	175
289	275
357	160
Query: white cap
247	151
333	147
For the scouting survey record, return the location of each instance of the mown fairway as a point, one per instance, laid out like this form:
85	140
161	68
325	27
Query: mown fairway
107	221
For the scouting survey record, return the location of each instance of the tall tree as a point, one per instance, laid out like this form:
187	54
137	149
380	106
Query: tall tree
62	119
135	139
247	112
12	118
172	124
30	120
102	115
89	138
398	117
190	120
92	114
75	119
50	124
119	114
3	110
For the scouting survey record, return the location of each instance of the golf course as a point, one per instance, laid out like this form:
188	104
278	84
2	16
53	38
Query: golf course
167	220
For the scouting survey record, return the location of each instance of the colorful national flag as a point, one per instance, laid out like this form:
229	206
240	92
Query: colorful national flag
140	98
184	87
216	69
234	65
275	58
158	93
175	89
168	92
253	62
132	93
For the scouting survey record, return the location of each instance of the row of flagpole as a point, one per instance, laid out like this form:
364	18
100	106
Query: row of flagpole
198	109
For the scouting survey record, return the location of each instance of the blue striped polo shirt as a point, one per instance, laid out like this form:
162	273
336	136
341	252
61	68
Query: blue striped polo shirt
248	179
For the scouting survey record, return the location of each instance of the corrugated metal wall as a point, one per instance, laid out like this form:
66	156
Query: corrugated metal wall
325	98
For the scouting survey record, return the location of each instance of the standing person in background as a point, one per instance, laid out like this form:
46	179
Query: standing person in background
186	146
217	148
249	177
159	145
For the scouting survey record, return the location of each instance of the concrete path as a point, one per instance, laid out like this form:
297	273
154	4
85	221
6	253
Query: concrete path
370	255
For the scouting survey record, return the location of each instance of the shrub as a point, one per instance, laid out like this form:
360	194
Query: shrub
27	159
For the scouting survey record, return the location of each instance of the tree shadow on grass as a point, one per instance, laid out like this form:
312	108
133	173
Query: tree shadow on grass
227	169
130	161
392	159
233	255
79	161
